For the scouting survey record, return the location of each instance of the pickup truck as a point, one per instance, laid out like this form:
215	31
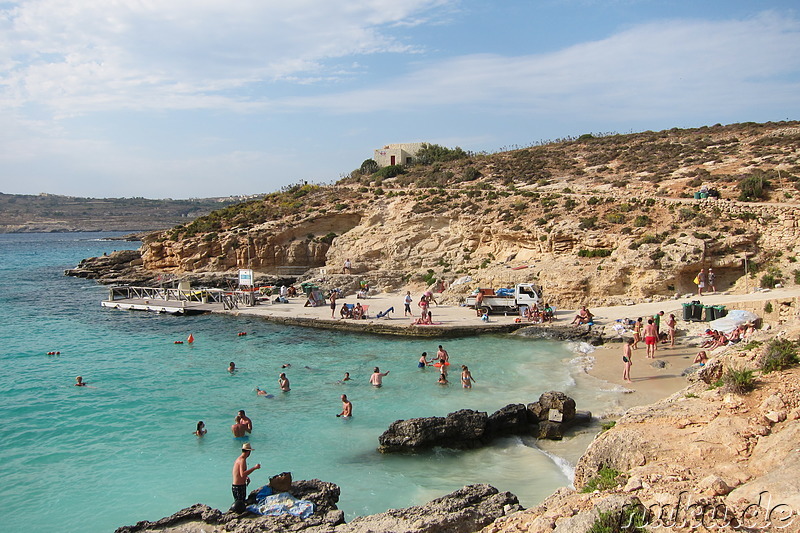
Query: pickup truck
507	300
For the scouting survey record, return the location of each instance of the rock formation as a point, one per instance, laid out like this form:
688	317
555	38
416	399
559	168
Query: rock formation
547	418
465	510
596	221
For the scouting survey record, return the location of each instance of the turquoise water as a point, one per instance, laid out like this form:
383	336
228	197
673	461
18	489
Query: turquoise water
95	458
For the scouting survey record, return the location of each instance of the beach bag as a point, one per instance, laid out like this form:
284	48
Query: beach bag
281	483
697	280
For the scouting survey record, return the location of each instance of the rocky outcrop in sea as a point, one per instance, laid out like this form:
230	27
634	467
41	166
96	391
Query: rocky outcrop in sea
547	418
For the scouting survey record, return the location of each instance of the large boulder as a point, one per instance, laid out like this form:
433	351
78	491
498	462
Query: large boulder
466	510
553	406
462	429
509	420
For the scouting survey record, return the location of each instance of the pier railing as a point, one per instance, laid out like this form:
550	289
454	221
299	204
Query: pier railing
228	299
160	293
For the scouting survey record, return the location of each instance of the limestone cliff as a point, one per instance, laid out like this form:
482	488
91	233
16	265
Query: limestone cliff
610	218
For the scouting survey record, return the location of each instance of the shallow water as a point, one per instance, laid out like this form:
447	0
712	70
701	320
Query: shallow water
122	450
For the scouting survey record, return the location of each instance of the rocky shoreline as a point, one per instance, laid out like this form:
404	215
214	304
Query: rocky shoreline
463	511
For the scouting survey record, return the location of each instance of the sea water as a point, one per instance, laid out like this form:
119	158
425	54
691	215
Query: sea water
122	449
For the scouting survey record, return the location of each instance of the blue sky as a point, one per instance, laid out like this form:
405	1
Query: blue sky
198	98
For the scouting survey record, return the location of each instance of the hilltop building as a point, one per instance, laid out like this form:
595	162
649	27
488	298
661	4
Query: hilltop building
396	154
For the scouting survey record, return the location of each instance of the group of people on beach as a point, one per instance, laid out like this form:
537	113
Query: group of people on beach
652	335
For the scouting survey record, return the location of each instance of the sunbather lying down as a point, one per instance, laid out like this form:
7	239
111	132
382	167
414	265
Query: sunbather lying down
385	313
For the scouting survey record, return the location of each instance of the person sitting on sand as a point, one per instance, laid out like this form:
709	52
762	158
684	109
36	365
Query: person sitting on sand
583	317
485	316
358	311
201	429
345	312
748	332
548	313
701	358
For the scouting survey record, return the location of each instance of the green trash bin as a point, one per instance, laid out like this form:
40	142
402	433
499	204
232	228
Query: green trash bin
708	313
720	311
697	312
697	196
703	195
687	311
306	288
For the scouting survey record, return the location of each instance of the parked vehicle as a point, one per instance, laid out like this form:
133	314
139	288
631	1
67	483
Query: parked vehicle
507	300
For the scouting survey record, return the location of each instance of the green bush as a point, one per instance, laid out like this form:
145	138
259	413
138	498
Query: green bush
768	281
605	479
390	172
432	153
615	218
780	354
739	381
369	166
629	519
587	222
753	187
641	221
595	252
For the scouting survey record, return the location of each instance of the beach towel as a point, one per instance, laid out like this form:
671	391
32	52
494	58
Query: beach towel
282	504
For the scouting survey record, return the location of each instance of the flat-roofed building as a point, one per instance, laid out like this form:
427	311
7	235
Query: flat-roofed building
396	154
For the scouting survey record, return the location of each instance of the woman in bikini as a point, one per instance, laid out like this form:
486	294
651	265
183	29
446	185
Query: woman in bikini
466	377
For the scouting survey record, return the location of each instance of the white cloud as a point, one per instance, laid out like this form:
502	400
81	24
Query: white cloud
652	69
84	55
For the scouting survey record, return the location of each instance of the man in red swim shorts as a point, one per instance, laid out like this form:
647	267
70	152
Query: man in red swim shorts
651	338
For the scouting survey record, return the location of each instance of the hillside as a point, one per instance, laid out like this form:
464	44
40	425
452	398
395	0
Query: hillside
606	218
54	213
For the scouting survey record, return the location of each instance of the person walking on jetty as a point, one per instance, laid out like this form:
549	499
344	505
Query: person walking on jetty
650	338
347	408
627	354
407	301
241	478
376	379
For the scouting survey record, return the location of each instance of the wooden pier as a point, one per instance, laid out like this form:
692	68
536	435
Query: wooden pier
175	301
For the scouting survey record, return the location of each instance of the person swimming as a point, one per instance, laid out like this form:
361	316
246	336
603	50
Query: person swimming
423	360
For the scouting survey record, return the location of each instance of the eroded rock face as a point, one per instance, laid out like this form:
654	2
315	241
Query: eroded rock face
464	510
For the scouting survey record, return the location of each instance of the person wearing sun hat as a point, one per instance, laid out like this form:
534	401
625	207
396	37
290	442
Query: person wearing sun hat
240	476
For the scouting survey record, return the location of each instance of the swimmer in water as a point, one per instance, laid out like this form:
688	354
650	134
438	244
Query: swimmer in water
466	377
345	378
283	382
376	379
347	408
443	380
423	360
201	429
232	367
79	382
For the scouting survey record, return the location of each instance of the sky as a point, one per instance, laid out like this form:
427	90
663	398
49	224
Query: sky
202	98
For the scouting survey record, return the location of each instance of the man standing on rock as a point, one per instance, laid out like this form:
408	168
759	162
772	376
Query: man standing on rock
241	479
